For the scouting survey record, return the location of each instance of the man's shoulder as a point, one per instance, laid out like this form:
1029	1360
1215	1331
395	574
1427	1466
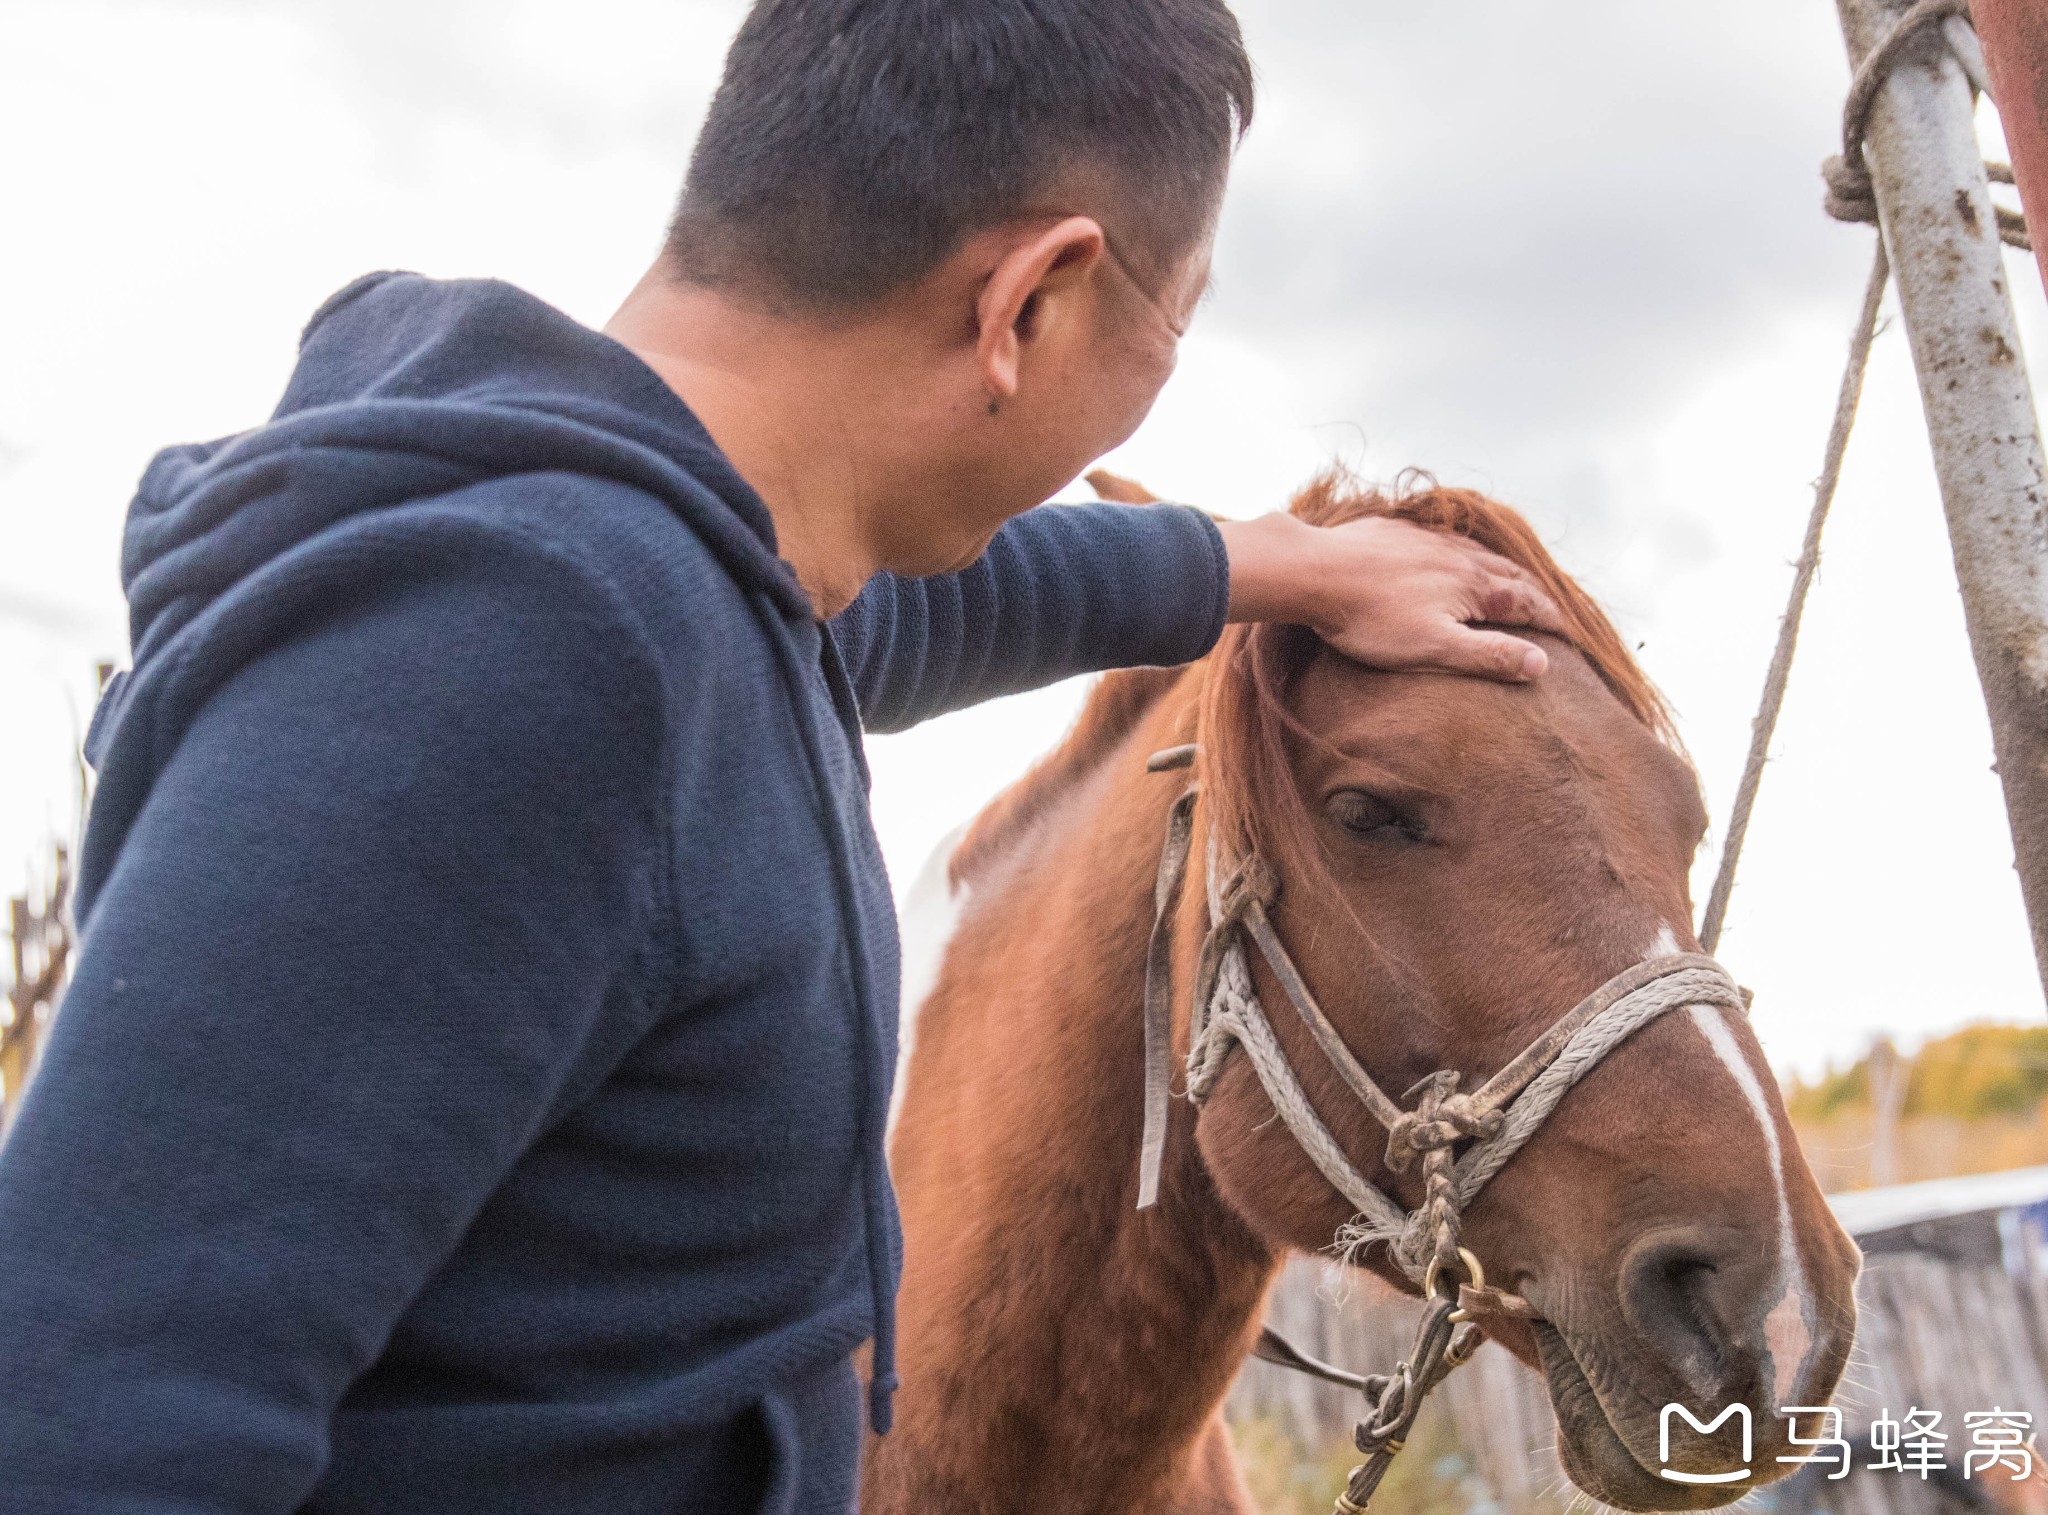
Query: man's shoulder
635	544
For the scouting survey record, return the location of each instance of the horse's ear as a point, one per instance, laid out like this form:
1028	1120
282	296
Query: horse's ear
1118	490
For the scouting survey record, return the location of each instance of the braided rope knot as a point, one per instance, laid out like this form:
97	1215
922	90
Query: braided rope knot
1444	1118
1601	1023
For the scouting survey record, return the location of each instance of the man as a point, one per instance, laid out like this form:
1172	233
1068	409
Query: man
471	1095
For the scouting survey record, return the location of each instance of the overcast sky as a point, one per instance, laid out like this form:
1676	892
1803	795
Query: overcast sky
1571	255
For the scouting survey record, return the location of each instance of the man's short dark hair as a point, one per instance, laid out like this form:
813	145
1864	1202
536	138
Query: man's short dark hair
853	145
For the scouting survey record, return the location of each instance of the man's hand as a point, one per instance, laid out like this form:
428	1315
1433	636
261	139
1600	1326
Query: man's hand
1390	593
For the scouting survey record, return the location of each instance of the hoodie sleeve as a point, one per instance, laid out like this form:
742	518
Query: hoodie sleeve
383	908
1062	589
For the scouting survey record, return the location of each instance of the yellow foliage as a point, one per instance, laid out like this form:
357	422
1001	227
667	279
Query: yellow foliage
1972	1074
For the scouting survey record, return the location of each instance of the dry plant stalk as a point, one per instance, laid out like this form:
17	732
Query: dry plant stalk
39	932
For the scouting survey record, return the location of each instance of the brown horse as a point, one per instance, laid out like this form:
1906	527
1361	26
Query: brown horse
1459	863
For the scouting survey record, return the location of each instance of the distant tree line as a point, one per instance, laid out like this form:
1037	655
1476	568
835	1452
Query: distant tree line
1977	1072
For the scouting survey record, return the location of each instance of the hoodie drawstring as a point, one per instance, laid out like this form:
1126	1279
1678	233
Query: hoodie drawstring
874	1108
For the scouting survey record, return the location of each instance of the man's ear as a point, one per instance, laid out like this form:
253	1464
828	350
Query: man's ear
1030	287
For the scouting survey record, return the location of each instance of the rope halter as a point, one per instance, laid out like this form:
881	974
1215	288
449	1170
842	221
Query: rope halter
1497	1119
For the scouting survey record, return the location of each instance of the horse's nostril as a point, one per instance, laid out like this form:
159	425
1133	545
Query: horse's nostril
1672	1287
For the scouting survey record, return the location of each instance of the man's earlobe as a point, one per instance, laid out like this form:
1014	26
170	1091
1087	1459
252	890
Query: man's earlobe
1010	309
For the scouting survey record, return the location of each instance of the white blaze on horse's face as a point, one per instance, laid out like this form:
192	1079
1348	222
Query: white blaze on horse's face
1788	1325
1786	1331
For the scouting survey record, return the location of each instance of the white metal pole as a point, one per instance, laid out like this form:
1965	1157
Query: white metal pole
1942	234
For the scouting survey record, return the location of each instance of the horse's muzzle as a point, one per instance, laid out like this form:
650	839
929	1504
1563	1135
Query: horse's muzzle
1673	1400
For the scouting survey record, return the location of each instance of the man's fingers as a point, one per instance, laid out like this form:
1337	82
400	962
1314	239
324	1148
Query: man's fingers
1492	561
1505	591
1492	655
1518	602
1410	598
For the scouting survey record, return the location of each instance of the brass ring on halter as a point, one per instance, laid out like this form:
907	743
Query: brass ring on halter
1434	1271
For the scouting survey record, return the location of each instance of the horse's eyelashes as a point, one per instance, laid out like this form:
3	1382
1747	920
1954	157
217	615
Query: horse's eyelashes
1365	814
1355	810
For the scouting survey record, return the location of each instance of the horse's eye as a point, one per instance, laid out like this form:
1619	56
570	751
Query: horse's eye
1369	815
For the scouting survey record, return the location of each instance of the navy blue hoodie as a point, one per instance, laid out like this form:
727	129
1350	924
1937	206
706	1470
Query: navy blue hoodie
472	1092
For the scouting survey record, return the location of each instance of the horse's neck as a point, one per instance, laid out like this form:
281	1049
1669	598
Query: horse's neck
1060	1349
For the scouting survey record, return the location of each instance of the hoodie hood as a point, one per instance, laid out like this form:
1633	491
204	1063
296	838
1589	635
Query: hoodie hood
407	388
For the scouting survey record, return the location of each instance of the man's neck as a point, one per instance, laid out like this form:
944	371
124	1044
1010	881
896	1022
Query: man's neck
781	401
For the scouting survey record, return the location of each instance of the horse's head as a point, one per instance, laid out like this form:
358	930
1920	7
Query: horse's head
1459	863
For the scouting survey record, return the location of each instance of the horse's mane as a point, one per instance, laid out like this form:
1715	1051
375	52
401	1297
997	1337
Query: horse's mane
1245	725
1115	706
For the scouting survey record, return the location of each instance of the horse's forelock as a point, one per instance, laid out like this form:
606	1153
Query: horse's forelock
1336	497
1246	725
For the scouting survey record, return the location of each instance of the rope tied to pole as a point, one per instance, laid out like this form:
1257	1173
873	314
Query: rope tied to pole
1850	196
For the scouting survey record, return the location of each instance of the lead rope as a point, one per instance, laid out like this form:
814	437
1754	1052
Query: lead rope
1443	1341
